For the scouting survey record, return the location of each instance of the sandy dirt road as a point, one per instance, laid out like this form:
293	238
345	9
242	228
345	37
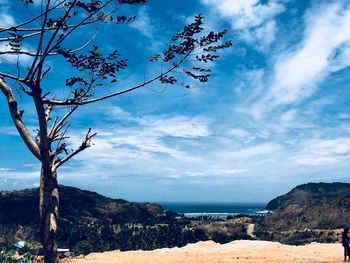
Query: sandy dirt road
243	251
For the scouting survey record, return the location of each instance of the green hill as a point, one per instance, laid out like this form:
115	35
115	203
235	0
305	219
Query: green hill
76	206
90	222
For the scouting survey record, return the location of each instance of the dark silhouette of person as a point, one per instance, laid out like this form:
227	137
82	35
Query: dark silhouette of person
345	243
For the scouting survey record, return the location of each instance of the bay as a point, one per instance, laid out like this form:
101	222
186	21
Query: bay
215	210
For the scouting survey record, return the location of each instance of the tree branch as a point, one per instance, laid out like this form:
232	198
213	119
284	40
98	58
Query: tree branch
40	43
16	117
85	144
56	127
75	102
16	28
6	75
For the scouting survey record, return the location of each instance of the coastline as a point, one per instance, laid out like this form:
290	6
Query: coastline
215	210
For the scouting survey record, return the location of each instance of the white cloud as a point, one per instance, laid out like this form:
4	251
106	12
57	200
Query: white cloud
288	116
9	130
248	13
12	174
323	151
252	18
6	169
178	126
324	49
163	125
13	58
173	147
298	71
253	151
240	134
144	26
143	23
264	34
343	116
6	20
145	139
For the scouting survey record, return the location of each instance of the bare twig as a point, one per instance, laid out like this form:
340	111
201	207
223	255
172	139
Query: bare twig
17	27
85	144
56	127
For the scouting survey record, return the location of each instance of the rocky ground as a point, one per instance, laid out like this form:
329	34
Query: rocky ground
242	251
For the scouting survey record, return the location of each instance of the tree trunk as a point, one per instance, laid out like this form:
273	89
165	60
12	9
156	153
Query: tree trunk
49	201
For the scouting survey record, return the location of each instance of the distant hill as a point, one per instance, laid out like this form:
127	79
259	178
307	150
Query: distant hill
76	206
309	212
311	206
313	193
90	222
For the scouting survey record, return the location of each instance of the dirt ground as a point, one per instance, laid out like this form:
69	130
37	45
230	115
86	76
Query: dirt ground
243	251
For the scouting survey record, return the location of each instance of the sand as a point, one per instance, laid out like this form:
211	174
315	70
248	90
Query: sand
243	251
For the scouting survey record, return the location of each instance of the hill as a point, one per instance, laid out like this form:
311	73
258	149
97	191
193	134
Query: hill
313	206
91	222
313	193
88	221
309	212
76	206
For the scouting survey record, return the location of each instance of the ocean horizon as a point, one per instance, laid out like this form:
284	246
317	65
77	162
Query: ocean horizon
215	210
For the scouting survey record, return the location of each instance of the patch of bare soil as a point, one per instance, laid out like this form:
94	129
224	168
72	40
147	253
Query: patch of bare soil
243	251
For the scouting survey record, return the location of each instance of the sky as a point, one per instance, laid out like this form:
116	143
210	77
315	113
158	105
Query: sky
275	113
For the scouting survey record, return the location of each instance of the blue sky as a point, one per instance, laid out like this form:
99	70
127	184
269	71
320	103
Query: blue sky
275	114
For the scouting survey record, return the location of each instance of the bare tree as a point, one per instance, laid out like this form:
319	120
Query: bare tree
51	30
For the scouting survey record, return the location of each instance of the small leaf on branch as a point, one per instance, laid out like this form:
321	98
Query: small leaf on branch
167	80
154	58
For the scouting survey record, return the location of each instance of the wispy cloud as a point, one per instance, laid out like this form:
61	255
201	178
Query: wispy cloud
147	136
145	27
323	151
181	147
276	113
163	125
161	146
22	59
253	151
298	71
14	174
253	19
6	20
143	23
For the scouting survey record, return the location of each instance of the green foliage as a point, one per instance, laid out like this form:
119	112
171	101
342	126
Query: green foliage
190	42
85	239
93	223
11	254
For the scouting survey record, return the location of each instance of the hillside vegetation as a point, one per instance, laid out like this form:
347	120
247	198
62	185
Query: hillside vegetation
91	222
313	193
309	212
76	206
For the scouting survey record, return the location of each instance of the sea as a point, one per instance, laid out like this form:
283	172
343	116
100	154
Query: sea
215	210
